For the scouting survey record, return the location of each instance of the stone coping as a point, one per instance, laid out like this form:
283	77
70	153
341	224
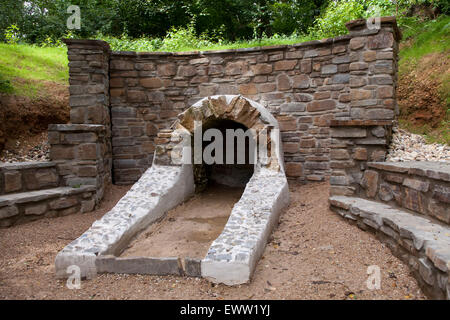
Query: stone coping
97	43
26	165
360	123
76	127
358	23
438	170
38	195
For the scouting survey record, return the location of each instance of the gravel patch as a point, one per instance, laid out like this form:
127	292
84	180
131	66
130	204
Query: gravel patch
36	148
312	254
407	146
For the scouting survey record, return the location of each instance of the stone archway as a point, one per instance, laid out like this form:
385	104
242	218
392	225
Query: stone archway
234	108
232	257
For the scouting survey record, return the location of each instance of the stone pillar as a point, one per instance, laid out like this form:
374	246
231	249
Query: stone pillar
81	154
82	149
89	81
366	134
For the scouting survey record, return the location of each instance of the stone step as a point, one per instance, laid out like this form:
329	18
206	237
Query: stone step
23	206
419	241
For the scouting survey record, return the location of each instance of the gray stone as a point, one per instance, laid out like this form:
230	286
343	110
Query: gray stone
192	267
140	265
8	211
416	184
426	271
293	107
329	69
37	209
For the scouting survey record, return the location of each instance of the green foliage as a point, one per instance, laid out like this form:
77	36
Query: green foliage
332	22
184	39
293	15
426	37
12	34
5	85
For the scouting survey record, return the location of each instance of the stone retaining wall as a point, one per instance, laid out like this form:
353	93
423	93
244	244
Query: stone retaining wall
306	85
353	144
27	206
422	187
418	242
82	155
27	176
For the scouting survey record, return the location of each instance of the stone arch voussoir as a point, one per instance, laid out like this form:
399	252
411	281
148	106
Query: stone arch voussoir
236	108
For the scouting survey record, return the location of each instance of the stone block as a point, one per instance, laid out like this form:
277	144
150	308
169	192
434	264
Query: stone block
87	151
36	209
329	69
346	132
441	193
339	154
360	153
414	200
8	211
151	83
87	206
63	203
322	105
294	169
370	183
415	184
262	68
300	81
13	181
153	266
285	65
192	267
357	43
283	82
167	70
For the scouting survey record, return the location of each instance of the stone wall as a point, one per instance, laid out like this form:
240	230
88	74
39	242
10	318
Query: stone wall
406	205
353	144
306	86
82	156
27	176
422	187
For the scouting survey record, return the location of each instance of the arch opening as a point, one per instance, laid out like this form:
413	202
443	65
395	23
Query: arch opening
232	147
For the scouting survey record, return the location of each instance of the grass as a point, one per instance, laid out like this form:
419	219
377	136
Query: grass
25	66
424	38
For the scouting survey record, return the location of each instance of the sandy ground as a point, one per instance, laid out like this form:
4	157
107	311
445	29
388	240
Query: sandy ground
313	254
189	229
